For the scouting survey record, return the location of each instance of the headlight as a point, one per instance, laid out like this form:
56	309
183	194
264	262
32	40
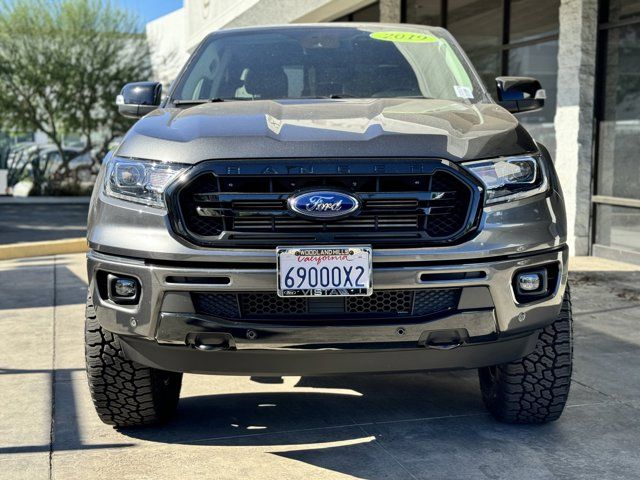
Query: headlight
140	181
510	178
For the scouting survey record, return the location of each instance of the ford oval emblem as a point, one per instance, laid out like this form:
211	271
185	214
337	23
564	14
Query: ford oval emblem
323	204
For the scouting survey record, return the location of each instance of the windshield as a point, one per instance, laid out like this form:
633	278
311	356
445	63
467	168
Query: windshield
332	62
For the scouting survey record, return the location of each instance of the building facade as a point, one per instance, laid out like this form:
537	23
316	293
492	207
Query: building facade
586	53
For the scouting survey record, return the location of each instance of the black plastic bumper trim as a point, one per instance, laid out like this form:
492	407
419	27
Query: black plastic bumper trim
174	329
324	362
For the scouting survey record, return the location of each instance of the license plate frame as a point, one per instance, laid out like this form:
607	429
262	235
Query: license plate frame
361	255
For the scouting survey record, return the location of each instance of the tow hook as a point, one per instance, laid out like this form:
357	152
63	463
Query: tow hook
209	341
444	339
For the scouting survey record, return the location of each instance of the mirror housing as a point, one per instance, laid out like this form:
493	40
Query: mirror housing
520	94
139	98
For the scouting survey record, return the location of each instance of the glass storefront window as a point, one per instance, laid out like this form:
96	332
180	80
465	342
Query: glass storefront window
476	24
540	61
619	128
530	20
623	10
487	64
618	227
423	12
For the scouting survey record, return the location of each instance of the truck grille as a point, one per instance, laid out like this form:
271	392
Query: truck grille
383	303
434	205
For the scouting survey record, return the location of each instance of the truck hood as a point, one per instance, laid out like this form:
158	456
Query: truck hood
446	129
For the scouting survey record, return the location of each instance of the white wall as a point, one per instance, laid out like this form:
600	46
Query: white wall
167	37
206	16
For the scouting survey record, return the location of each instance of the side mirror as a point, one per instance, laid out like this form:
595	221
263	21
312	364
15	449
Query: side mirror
520	94
139	98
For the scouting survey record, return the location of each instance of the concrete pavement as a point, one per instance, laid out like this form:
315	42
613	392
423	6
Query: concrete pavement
367	426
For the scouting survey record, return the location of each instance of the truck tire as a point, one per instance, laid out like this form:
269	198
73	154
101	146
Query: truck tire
533	389
125	393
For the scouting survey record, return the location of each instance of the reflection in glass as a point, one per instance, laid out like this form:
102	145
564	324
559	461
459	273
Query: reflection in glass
539	61
623	9
298	62
531	20
619	129
618	227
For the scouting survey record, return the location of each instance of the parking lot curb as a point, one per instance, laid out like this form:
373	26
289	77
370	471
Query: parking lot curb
40	249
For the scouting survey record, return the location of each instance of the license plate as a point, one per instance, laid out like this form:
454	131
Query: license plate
324	271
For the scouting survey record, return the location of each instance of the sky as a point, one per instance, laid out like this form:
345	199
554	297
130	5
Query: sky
148	10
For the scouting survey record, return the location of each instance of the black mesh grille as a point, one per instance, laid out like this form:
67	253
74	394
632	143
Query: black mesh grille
256	304
444	221
433	206
427	302
223	305
382	301
385	303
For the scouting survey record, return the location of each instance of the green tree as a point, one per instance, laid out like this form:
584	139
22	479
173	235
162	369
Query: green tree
62	63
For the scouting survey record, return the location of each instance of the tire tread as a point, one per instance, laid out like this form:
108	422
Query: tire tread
535	388
125	393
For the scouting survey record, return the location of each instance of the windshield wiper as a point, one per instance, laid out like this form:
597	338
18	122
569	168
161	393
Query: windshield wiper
189	102
332	96
200	101
347	95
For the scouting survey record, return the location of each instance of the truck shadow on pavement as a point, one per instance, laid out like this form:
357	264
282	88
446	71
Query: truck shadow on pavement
318	406
367	426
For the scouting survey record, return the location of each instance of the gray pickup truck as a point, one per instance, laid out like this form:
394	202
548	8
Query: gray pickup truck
328	199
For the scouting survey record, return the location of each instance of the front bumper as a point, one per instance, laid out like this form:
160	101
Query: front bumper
163	329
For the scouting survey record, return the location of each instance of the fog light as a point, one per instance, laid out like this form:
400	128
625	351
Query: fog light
534	284
123	290
124	287
529	282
